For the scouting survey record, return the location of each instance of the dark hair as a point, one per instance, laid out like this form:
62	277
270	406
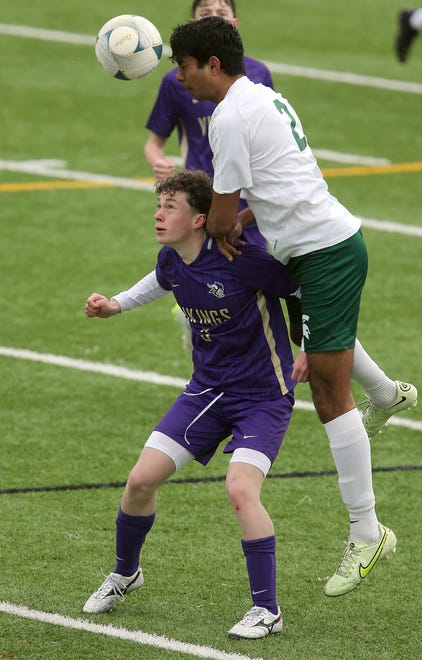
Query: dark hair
229	3
196	185
207	37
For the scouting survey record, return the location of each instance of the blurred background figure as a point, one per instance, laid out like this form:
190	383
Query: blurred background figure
410	24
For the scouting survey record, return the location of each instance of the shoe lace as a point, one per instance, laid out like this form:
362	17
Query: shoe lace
366	406
254	615
111	585
348	561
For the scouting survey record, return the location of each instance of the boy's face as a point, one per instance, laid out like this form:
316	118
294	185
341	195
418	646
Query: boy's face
218	8
175	220
197	80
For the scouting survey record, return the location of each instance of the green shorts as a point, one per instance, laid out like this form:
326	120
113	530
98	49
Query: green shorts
331	281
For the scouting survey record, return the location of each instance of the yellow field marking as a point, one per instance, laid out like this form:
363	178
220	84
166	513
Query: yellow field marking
356	170
365	170
30	186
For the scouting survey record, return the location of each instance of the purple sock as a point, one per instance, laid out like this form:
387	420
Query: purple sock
130	536
261	565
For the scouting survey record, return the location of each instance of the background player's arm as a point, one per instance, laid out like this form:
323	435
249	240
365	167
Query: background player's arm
162	166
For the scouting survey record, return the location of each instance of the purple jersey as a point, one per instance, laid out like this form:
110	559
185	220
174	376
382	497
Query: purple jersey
239	336
175	107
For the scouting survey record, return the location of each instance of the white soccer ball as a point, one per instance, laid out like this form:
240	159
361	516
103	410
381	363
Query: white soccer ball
128	47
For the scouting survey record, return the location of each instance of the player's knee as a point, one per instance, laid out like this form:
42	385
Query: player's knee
238	493
140	483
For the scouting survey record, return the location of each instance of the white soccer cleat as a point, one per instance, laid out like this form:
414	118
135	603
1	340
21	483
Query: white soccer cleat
114	588
256	623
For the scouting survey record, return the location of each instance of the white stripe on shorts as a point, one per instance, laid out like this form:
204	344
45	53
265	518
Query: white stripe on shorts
178	454
252	457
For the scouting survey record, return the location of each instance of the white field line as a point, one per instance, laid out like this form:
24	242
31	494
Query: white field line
350	159
392	227
136	636
345	77
56	169
46	35
275	67
146	376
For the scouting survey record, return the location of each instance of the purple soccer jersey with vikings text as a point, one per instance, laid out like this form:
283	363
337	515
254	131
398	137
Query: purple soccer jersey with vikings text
239	335
175	107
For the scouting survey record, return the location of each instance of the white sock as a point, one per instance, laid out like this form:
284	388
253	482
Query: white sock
415	20
351	452
378	386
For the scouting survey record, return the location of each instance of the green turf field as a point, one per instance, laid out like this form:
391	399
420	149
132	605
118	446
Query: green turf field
69	434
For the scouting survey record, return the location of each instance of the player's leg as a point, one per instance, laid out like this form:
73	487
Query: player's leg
158	460
349	444
332	281
258	432
243	485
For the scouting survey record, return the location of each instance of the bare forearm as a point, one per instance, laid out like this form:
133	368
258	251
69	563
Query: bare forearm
246	218
153	152
162	166
218	227
222	216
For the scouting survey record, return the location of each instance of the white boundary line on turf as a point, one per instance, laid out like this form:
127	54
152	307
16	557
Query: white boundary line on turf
275	67
137	636
57	169
146	376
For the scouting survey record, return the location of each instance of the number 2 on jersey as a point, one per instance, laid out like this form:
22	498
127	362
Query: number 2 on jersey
282	108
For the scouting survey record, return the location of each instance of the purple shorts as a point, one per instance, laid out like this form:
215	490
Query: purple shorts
200	421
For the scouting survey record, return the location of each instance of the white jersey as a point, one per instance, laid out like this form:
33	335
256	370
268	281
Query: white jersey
259	147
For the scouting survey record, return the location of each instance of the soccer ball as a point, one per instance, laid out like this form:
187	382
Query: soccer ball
128	47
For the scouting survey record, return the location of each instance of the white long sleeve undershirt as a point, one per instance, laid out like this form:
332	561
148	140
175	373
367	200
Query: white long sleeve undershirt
145	291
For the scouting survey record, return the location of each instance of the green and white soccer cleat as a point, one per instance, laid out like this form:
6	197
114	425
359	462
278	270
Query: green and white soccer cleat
257	623
375	418
358	560
113	588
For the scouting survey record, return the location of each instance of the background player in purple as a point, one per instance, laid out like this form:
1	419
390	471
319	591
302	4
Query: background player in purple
241	387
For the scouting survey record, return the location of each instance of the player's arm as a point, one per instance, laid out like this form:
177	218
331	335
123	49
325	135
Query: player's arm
146	290
222	222
294	312
246	218
162	166
300	371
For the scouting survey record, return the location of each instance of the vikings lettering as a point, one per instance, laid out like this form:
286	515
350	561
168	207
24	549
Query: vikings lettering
209	317
204	123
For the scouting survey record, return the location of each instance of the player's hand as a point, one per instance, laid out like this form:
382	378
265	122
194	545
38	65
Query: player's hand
229	245
300	371
98	305
163	167
227	248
